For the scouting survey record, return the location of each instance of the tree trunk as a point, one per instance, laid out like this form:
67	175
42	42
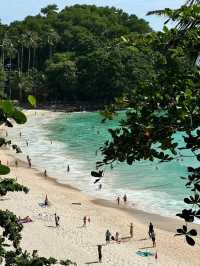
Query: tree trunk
50	51
3	57
18	62
22	58
29	58
34	55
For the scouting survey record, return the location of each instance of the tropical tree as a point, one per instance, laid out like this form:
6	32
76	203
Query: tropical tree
52	39
162	103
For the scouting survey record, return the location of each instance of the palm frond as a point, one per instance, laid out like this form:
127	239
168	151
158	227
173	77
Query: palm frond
192	2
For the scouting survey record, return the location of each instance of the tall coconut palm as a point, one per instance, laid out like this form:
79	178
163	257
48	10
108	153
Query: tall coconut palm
35	41
187	16
192	2
22	43
8	51
52	39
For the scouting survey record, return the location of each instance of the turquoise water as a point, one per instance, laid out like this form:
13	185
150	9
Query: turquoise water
75	138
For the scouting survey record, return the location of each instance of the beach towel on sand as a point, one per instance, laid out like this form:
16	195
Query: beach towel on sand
144	253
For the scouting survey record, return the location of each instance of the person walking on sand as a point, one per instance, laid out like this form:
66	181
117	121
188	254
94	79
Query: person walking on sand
16	163
150	229
57	218
117	237
100	253
88	219
45	173
153	238
84	221
29	160
68	168
118	200
131	230
125	199
108	235
46	202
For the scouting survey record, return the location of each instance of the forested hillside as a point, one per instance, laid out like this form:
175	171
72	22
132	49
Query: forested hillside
69	55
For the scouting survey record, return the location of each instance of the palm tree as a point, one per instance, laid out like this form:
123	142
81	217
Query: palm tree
52	39
29	42
187	16
192	2
22	41
35	44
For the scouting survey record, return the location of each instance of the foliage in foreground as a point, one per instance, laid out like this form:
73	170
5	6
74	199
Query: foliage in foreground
164	101
11	254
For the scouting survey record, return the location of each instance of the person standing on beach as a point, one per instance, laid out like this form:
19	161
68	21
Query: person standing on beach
118	200
29	160
100	253
131	230
108	235
45	173
57	218
20	134
84	221
68	168
153	238
27	143
117	237
150	229
16	163
46	202
125	199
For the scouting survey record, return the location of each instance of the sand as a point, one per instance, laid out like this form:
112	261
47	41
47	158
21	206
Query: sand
72	240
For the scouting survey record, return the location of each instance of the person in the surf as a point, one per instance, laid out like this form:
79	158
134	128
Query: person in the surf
125	199
118	200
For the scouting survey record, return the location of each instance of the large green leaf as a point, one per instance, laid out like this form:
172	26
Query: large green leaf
32	100
4	170
7	107
19	117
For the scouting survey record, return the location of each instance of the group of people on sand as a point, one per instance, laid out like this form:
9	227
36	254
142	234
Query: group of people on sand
109	237
124	198
56	217
116	238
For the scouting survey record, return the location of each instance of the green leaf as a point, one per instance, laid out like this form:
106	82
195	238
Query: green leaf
19	117
7	107
32	100
124	39
4	170
188	93
190	240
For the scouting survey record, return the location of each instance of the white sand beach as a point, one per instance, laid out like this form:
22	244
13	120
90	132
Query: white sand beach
72	240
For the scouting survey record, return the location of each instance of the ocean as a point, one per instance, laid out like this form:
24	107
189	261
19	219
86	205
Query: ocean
56	140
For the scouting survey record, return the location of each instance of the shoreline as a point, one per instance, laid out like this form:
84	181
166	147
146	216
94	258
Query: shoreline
104	214
79	244
165	223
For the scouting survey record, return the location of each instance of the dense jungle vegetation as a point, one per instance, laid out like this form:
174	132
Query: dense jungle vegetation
69	55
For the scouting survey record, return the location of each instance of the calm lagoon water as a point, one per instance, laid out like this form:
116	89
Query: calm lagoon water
75	138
